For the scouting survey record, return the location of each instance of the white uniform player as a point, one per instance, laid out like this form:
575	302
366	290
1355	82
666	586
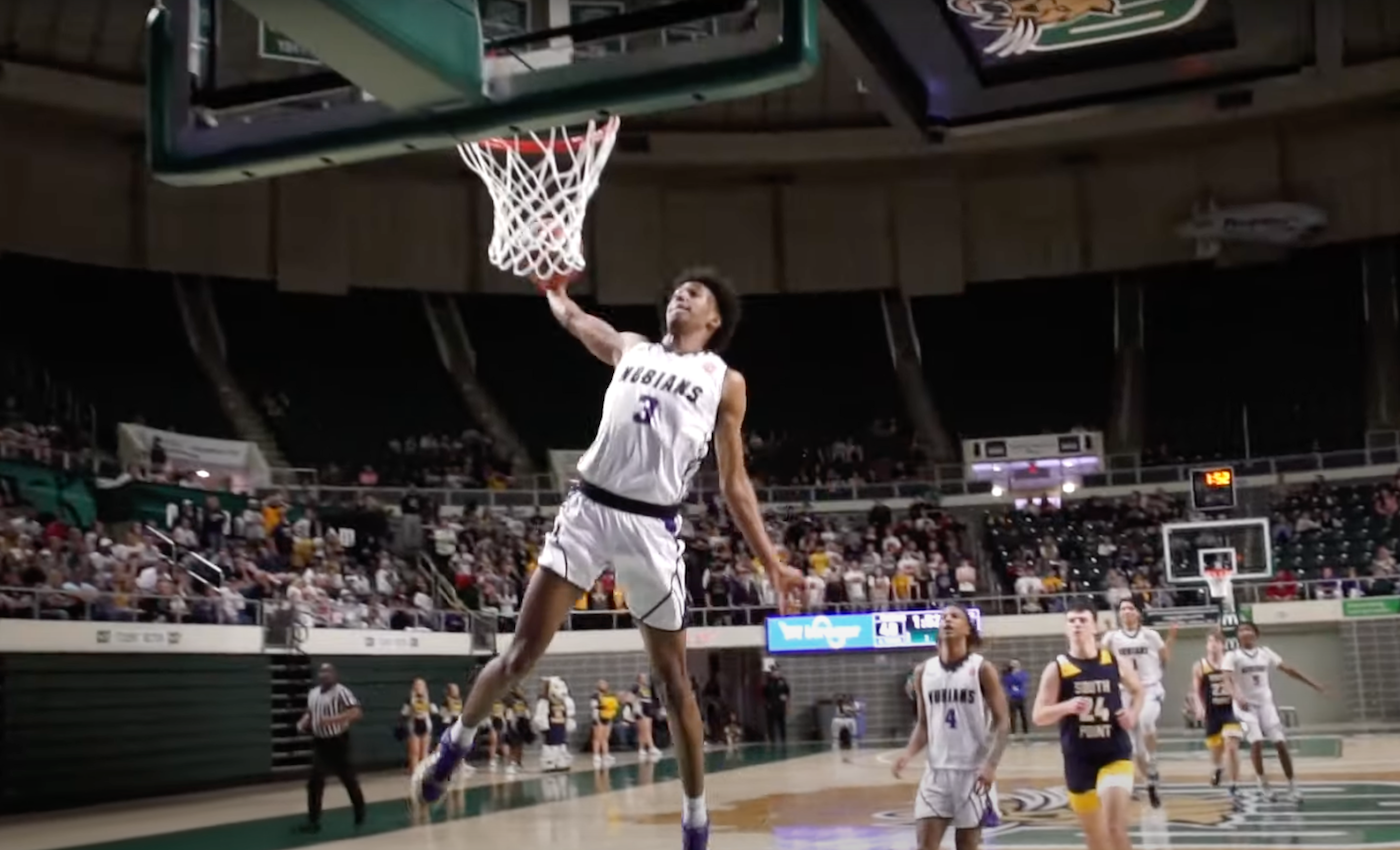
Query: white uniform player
624	514
959	739
1254	696
1142	650
1247	671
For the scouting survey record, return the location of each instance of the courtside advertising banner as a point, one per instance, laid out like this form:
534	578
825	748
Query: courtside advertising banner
854	632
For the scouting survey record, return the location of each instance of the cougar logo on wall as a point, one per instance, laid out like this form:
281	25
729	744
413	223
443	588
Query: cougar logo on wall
1035	26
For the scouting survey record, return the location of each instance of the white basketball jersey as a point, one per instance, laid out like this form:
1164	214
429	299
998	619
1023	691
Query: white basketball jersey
956	714
1251	668
658	418
1141	650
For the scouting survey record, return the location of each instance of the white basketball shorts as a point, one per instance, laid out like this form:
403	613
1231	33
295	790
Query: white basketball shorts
1151	710
952	795
645	553
1260	723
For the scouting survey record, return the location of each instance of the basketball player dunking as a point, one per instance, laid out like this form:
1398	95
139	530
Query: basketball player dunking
1082	691
1210	698
957	691
665	403
1147	653
1247	675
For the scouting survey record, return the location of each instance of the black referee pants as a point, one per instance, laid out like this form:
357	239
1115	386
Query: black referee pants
332	756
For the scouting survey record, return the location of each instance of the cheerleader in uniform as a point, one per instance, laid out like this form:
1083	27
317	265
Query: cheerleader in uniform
554	718
495	733
448	714
647	704
417	718
605	707
519	731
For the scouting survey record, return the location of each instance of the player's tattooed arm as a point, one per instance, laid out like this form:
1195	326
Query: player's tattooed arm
738	490
605	342
1001	716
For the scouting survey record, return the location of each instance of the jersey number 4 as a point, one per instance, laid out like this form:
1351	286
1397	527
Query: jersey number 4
1097	713
951	718
646	409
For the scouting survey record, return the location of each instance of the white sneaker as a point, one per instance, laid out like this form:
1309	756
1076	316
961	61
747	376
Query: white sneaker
511	769
609	760
654	754
597	761
495	764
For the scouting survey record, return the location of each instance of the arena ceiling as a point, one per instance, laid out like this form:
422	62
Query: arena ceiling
901	77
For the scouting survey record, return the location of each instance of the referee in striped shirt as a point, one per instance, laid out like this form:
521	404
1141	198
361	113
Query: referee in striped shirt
330	711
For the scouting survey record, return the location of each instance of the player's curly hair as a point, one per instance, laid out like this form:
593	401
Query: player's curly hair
974	635
726	301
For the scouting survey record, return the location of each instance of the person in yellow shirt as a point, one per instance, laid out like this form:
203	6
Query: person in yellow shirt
605	708
1053	583
902	586
820	562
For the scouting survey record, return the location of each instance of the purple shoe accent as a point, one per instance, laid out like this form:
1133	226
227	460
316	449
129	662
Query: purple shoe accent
695	837
990	818
435	781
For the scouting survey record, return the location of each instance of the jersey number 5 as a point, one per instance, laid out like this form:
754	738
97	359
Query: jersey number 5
646	409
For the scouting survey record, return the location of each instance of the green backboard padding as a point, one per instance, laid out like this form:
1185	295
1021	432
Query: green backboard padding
412	54
181	154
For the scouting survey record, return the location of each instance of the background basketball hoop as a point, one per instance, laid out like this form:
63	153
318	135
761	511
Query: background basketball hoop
1218	579
540	186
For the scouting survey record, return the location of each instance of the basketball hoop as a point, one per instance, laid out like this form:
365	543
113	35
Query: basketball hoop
540	186
1218	579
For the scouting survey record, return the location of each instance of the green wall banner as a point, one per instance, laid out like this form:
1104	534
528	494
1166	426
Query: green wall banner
1380	606
64	494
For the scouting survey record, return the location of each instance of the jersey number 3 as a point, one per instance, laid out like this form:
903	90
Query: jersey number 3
646	409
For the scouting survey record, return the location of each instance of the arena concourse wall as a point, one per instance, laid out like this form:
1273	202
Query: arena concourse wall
99	712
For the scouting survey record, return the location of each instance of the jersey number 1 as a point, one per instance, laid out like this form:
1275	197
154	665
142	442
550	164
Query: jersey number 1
646	409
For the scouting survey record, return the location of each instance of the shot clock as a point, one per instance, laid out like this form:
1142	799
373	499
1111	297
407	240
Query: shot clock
1213	489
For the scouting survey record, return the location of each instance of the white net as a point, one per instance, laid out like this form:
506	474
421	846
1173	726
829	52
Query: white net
540	185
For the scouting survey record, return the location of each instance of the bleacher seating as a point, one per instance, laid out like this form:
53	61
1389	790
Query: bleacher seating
1090	537
345	375
115	338
1342	529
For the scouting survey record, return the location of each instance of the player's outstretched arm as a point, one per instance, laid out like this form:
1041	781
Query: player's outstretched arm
918	736
606	342
1295	673
738	491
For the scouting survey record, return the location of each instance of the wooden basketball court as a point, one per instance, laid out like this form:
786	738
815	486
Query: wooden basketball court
803	796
